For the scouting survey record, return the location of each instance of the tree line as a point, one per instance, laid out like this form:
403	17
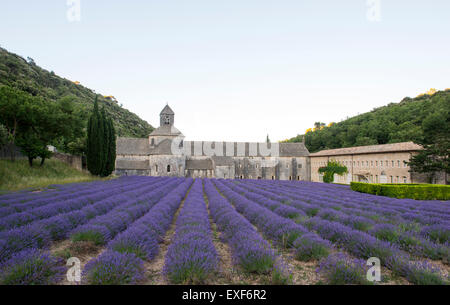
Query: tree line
394	123
32	123
424	120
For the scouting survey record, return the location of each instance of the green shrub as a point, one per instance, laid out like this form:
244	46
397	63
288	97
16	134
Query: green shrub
413	191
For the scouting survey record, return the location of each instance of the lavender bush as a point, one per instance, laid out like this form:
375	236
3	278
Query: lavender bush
191	258
249	250
340	269
31	267
114	268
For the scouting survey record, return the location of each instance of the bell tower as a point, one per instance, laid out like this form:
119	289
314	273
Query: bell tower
167	117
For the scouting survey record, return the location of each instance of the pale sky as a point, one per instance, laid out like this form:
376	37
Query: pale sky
236	70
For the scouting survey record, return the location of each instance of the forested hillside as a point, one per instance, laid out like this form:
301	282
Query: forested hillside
396	122
25	75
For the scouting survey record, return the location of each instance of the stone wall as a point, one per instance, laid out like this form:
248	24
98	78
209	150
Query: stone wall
5	152
373	168
73	161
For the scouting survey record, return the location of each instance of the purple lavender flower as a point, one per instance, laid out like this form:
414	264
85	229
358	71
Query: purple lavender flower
340	269
191	258
310	247
31	267
114	268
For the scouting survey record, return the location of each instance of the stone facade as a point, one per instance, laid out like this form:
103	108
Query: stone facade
374	163
165	153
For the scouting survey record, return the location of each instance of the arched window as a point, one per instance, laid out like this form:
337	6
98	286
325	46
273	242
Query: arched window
168	168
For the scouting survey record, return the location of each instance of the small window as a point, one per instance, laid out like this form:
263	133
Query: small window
404	179
168	168
392	179
298	177
290	177
393	165
381	163
376	163
153	142
398	163
273	178
156	168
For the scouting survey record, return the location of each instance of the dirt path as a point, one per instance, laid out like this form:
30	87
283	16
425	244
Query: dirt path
227	273
84	251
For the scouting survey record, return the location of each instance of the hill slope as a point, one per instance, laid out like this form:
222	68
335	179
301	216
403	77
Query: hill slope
396	122
23	74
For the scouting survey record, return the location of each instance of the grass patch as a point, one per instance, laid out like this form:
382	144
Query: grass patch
19	175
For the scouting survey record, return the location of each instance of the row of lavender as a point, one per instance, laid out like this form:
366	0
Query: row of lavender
51	191
42	209
133	230
98	222
416	237
356	242
132	219
191	256
123	261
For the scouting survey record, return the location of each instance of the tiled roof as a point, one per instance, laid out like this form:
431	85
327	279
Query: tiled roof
132	146
166	130
167	110
370	149
247	149
293	150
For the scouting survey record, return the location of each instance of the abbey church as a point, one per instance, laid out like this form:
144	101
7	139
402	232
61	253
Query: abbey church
165	153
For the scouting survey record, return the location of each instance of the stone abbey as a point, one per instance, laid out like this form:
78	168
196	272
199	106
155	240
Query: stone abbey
165	153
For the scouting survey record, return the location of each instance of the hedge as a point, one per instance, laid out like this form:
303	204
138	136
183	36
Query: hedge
413	191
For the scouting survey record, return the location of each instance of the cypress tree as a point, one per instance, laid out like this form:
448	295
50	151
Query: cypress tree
111	164
92	147
101	142
106	144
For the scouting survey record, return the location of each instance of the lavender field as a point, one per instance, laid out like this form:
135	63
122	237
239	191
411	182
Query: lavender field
159	230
